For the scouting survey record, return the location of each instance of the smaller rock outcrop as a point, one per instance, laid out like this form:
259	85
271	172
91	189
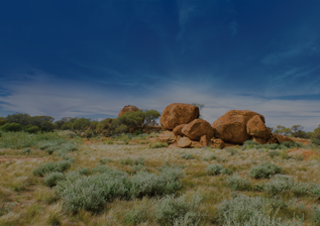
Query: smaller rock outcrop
177	114
217	143
204	141
128	108
197	128
184	142
282	138
177	130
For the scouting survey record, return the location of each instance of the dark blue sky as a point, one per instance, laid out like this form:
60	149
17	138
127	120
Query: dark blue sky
90	58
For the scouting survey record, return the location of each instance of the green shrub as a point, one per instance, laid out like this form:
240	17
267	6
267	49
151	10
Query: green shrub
137	215
226	171
214	169
232	151
315	141
178	211
264	170
53	178
316	214
211	157
105	160
33	129
187	156
248	144
26	151
159	145
84	171
131	162
237	183
272	154
50	150
49	167
279	183
251	211
315	190
11	127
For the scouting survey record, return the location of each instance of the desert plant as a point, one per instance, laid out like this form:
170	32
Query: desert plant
211	157
187	156
232	151
238	183
264	170
316	214
272	154
279	183
33	129
248	144
26	151
137	215
49	167
131	162
178	211
214	169
159	145
11	127
226	171
53	178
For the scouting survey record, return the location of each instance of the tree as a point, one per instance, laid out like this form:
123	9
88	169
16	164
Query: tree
297	131
20	118
66	126
282	130
47	126
80	125
316	133
11	127
200	106
3	121
150	117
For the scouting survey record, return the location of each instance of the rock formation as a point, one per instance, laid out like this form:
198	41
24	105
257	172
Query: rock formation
128	108
177	114
197	128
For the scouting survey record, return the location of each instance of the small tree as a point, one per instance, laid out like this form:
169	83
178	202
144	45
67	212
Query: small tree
3	121
80	125
66	126
47	126
297	131
20	118
282	130
150	117
11	127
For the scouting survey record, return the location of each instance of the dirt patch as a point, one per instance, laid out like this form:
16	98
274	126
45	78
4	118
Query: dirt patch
306	153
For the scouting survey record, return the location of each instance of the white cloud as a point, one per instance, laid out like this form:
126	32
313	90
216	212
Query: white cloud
52	97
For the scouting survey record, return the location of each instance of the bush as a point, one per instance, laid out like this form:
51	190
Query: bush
251	211
237	183
26	151
264	170
315	141
179	211
232	151
49	167
131	162
53	178
33	129
93	192
47	126
159	145
316	214
11	127
211	157
187	156
248	144
274	153
226	171
137	215
214	169
278	184
315	190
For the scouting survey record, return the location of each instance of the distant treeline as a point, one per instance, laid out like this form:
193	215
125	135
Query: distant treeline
128	122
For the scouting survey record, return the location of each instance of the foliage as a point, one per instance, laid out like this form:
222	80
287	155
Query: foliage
66	126
187	156
214	169
209	158
80	124
264	170
3	121
232	151
150	117
273	153
47	126
282	130
238	183
53	178
33	129
11	127
20	118
49	167
178	211
159	145
131	162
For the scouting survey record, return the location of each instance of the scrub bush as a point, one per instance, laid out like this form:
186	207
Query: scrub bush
264	170
232	151
49	167
187	156
11	127
214	169
159	145
53	178
238	183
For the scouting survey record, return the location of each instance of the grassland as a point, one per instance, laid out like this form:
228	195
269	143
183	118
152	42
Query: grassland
51	179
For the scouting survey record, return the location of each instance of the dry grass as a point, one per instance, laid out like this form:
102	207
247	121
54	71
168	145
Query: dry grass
25	200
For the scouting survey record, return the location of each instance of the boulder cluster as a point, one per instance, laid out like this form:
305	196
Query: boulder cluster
185	129
234	127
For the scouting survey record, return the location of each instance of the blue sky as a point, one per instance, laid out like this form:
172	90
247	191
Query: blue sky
91	58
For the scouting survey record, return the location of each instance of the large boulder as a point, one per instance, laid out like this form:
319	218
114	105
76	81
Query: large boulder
197	128
217	143
177	114
232	126
282	138
257	128
128	108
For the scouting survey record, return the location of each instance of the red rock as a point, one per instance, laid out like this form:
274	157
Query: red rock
177	130
257	128
197	128
217	143
261	140
184	142
204	141
232	126
195	144
128	108
282	138
177	114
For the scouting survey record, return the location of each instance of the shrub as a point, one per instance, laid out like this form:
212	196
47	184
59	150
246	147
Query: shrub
79	125
278	184
137	215
49	167
315	190
26	151
273	153
211	157
237	183
159	145
251	211
316	214
11	127
248	144
50	150
47	126
232	151
264	170
178	211
315	141
53	178
187	156
105	160
226	171
131	162
214	169
33	129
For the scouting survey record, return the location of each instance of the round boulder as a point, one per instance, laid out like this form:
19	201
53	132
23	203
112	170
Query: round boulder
257	128
197	128
177	130
177	114
128	108
232	126
184	142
